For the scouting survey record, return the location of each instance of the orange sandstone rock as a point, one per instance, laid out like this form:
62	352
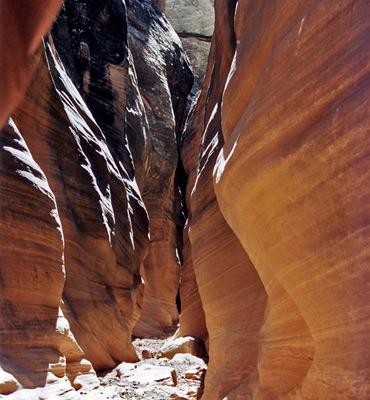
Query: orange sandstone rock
192	318
36	341
91	197
22	25
80	156
291	181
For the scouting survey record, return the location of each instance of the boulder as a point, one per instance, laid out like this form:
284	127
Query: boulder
149	374
188	344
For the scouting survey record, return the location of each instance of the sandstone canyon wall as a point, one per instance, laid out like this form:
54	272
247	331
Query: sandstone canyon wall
279	218
164	80
274	157
21	27
89	141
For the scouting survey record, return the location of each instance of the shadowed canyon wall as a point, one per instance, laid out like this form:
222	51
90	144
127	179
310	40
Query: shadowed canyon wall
99	164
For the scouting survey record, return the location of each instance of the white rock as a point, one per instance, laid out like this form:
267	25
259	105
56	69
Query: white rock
147	373
189	360
125	369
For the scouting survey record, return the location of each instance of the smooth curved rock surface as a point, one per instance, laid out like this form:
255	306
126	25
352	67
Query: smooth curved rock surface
22	26
290	181
35	336
231	292
80	155
90	189
192	318
164	80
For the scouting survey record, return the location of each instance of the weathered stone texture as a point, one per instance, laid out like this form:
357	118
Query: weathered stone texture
290	182
194	18
74	226
164	80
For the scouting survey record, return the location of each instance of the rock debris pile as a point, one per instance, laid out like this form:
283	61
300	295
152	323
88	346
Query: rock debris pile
156	376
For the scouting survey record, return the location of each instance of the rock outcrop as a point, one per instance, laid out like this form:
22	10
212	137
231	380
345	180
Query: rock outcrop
88	142
194	23
279	216
36	342
164	80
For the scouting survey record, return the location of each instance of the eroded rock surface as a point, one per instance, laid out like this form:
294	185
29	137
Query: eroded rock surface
275	257
194	22
164	80
74	227
283	139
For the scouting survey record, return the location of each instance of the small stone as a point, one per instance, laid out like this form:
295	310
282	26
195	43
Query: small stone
147	355
174	396
174	377
192	374
8	384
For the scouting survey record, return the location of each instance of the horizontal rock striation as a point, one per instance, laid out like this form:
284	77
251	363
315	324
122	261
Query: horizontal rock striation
81	152
281	195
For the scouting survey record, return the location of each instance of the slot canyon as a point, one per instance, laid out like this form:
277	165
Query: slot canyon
184	202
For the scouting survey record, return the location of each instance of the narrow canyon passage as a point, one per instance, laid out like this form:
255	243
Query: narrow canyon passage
184	200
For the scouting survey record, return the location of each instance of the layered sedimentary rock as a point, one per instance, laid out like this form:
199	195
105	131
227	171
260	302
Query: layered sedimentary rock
164	80
232	295
192	318
78	152
33	328
290	181
194	22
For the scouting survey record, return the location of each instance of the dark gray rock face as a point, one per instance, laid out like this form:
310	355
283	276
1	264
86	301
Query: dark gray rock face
194	22
164	80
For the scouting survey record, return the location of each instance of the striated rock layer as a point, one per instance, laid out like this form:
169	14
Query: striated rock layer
284	142
33	330
164	81
77	159
232	295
